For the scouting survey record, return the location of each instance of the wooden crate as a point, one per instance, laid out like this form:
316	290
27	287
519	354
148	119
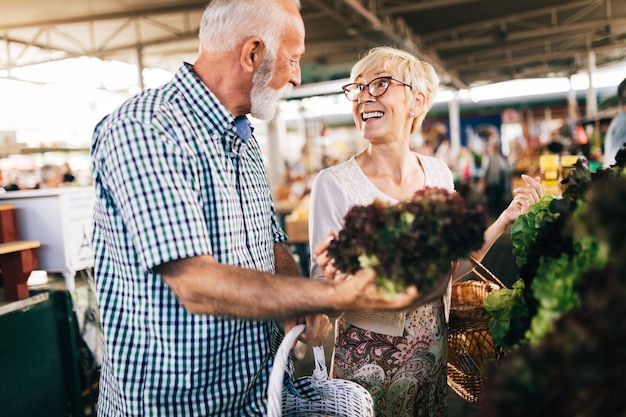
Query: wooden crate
8	223
297	230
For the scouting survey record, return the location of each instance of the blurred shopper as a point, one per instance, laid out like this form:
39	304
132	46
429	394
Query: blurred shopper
68	174
519	155
11	181
466	166
400	357
616	135
495	176
443	149
191	270
51	176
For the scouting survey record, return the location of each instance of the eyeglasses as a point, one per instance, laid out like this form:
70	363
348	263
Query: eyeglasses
377	87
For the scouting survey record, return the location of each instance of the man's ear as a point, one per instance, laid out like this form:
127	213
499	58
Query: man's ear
252	53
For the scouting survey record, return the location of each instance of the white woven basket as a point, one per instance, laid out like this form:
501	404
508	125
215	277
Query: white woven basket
338	397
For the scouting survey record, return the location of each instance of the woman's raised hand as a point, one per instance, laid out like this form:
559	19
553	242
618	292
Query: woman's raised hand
525	196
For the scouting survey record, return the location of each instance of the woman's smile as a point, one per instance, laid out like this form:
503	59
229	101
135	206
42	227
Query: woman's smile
365	116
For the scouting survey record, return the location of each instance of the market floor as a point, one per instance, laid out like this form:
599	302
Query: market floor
458	407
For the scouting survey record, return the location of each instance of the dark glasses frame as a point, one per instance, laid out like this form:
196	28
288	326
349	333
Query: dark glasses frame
376	88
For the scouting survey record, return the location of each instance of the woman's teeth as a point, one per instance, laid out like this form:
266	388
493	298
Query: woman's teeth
372	115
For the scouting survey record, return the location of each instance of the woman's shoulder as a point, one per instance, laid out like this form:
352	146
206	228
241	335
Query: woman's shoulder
346	179
437	173
429	159
340	171
342	167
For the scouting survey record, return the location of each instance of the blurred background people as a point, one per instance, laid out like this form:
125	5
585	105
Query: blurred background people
616	135
443	147
51	176
68	175
466	166
495	177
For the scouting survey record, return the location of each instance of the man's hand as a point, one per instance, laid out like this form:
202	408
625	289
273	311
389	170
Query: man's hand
369	296
317	329
365	296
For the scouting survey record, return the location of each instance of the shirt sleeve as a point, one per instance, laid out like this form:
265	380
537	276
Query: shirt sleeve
150	179
327	209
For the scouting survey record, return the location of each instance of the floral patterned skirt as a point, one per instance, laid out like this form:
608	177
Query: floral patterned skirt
406	375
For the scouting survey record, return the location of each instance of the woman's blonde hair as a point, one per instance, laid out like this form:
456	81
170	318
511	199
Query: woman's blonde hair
407	68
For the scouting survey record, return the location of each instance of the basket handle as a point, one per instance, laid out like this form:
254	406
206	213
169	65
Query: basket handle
275	385
320	373
480	269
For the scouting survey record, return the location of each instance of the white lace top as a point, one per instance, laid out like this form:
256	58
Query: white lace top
340	187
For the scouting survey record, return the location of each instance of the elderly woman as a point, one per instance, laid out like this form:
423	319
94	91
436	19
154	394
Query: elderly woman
399	357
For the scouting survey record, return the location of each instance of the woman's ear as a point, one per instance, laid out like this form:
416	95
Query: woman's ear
419	102
252	53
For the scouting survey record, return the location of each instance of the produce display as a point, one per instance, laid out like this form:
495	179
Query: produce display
571	359
413	242
551	260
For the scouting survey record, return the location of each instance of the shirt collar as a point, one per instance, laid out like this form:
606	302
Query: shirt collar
234	131
243	128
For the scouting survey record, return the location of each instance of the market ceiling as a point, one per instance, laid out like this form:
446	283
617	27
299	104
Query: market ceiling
470	42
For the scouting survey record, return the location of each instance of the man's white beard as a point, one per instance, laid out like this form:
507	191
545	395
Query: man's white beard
264	99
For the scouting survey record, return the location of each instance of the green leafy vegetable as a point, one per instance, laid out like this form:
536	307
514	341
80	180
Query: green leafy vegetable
557	282
526	227
509	313
576	369
551	257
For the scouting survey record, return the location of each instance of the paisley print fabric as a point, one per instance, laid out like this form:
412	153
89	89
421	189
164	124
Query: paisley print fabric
406	375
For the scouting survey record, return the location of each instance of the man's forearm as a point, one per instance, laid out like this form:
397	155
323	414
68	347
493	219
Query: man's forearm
205	286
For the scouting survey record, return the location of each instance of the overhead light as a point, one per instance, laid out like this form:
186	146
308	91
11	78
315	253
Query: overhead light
318	89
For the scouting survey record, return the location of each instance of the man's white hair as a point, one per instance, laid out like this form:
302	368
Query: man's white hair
225	23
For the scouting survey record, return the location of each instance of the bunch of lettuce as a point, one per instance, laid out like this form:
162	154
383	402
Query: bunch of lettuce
551	259
413	242
578	368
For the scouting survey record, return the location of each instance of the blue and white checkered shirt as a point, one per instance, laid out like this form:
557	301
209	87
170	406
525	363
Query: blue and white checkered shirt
167	189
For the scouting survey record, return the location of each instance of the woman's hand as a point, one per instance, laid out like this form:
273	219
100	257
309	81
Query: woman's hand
525	196
325	262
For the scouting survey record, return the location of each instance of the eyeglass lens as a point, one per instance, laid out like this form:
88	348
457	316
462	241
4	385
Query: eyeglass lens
377	87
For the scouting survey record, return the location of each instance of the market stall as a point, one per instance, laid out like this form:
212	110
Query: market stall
48	310
47	368
60	219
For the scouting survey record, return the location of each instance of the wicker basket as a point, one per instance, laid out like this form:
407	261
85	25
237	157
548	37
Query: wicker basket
471	349
331	397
